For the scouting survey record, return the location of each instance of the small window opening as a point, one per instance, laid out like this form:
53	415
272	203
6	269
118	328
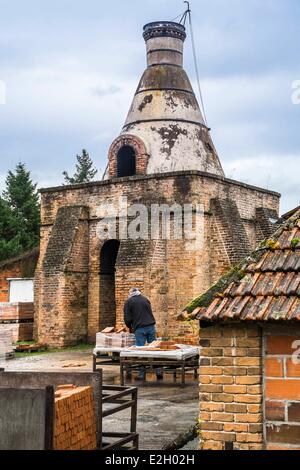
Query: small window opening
126	161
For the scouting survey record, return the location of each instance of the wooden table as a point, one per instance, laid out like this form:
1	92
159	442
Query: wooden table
106	357
166	365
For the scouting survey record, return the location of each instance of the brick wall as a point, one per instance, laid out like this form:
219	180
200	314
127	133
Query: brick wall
19	267
75	422
168	273
141	155
282	388
231	411
61	280
6	273
265	228
231	229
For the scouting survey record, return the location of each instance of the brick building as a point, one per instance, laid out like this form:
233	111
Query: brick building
16	295
19	267
163	155
250	359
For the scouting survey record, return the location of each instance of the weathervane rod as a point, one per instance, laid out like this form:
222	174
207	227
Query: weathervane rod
188	8
186	13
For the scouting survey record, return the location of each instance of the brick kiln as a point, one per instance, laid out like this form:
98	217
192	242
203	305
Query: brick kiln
163	155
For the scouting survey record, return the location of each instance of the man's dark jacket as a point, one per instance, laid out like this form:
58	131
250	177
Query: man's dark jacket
138	313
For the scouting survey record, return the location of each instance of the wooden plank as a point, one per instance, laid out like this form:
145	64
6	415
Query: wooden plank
28	380
24	418
49	418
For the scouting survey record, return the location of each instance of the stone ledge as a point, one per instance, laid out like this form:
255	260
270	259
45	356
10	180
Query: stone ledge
156	176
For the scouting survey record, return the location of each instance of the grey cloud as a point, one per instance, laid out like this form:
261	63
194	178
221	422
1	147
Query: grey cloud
111	90
72	68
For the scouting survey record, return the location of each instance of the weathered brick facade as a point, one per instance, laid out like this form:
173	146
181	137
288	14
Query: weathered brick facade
61	279
69	288
282	388
231	401
250	387
140	153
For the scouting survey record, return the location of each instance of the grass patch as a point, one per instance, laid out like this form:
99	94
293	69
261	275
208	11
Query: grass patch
79	347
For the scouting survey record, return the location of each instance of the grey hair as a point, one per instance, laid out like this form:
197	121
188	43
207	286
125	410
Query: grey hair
133	290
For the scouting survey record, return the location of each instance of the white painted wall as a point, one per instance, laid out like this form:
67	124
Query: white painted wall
20	290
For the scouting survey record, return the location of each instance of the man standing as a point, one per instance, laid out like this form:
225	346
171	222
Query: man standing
139	318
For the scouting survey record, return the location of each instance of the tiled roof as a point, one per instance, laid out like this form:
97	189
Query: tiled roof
269	288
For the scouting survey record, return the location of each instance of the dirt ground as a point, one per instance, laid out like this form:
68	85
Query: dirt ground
165	409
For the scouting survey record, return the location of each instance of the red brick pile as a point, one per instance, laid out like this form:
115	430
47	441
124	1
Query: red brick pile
75	422
18	317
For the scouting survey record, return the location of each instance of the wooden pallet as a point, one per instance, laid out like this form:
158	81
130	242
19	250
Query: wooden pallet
30	348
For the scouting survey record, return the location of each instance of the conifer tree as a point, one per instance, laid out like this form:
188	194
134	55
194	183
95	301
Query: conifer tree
19	214
84	170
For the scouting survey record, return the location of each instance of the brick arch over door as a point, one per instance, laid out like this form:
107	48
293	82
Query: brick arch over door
107	304
140	153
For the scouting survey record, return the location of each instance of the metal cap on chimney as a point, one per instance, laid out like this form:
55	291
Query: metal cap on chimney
159	29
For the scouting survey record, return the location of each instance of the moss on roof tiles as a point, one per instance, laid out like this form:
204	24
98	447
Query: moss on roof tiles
238	272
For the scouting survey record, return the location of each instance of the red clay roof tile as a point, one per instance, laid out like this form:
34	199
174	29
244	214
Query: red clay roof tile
270	289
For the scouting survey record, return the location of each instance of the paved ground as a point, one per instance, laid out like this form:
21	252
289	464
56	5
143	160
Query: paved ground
165	410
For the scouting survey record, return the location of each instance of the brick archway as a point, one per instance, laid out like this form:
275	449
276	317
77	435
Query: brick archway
107	304
141	155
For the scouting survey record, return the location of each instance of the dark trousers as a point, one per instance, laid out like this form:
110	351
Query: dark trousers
144	335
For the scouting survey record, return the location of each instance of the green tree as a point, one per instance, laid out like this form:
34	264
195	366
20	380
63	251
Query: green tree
19	214
84	170
10	245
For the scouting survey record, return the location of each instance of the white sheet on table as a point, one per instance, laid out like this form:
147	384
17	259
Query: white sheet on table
177	354
102	350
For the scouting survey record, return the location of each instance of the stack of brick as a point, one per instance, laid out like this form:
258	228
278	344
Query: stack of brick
114	340
282	390
6	347
18	318
230	388
75	422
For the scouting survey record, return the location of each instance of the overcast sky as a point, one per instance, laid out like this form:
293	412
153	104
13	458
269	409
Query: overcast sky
71	68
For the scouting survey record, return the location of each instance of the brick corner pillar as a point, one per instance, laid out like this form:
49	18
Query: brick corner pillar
61	285
282	387
231	409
